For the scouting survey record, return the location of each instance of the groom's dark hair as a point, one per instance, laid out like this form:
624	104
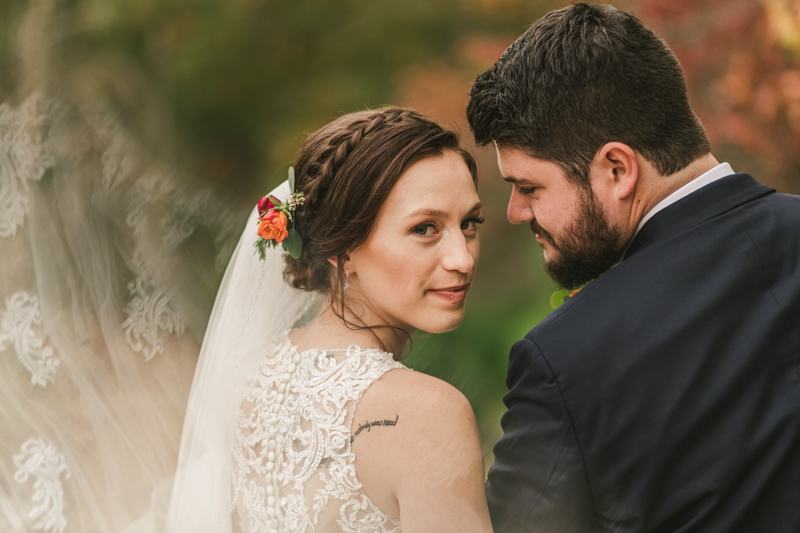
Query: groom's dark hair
581	77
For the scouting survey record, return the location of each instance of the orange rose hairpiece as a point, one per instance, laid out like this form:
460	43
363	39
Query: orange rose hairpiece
274	218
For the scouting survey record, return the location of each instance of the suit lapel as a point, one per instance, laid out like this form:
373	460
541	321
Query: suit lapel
704	204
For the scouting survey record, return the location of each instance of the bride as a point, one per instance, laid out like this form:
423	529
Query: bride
301	416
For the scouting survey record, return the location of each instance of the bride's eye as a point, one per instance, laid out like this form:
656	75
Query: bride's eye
471	224
426	229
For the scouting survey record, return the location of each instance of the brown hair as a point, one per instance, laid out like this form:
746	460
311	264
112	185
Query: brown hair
581	77
346	170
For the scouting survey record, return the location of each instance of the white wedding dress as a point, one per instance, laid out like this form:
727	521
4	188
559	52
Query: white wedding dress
294	467
266	439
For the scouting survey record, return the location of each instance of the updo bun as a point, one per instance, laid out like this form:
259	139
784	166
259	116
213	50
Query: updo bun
346	170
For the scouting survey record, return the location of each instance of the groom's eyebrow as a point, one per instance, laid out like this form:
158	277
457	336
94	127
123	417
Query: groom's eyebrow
518	181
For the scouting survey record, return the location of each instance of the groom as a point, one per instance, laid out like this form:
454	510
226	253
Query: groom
665	395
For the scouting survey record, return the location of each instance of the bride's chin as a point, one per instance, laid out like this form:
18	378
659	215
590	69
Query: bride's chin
443	325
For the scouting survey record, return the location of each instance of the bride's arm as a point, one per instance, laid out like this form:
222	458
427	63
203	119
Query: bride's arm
427	468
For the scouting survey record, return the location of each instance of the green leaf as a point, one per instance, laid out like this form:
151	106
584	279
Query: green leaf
291	183
261	248
293	243
559	297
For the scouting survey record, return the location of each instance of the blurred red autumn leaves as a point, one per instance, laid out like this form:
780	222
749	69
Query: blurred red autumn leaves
742	63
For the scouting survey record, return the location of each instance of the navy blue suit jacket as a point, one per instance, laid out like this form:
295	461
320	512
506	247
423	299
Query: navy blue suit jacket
665	395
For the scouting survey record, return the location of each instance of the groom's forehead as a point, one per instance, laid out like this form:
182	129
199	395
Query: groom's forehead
519	167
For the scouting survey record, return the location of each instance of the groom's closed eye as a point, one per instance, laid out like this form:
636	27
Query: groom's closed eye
526	187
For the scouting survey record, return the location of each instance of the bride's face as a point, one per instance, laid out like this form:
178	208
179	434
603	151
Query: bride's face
416	268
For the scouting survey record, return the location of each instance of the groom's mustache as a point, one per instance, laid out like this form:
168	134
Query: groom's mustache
541	232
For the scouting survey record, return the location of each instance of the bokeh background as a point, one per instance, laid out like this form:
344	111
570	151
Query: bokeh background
223	92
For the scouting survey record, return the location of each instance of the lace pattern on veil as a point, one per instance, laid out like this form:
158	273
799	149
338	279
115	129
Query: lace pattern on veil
294	469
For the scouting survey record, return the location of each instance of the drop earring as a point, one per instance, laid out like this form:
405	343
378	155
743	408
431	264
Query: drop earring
347	280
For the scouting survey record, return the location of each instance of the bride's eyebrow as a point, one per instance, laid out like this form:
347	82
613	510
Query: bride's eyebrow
437	213
475	207
427	212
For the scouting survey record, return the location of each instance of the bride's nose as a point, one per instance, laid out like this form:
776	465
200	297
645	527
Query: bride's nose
457	254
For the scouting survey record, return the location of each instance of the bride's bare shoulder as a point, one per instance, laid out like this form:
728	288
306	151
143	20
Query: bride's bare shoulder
411	418
415	438
415	394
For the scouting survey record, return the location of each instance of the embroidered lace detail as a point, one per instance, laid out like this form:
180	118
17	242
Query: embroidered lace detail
294	470
41	460
197	209
17	328
24	155
122	156
161	217
148	314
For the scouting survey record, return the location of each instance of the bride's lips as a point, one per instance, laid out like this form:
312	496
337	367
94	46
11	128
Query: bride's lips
455	294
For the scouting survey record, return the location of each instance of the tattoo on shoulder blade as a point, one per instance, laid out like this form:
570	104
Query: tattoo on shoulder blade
369	425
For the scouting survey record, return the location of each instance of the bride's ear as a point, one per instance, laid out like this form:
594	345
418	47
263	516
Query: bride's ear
335	261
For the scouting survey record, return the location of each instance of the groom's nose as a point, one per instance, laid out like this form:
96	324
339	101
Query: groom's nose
519	207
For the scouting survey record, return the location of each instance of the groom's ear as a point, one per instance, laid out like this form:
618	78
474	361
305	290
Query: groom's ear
615	171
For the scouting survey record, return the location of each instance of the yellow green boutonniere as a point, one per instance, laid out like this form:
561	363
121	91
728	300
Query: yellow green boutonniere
559	297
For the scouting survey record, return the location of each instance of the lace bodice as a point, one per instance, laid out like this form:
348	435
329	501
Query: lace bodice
294	470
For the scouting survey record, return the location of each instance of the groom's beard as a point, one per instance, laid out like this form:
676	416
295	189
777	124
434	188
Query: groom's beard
588	247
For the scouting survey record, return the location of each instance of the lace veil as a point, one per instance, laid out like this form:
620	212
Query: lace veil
103	303
110	258
254	306
102	307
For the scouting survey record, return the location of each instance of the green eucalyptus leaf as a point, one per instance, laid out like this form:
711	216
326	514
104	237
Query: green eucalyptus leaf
261	248
291	180
293	243
558	298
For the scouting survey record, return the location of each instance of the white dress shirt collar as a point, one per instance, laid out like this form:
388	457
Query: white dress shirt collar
718	172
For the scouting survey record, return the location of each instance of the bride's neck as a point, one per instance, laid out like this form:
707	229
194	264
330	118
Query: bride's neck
329	331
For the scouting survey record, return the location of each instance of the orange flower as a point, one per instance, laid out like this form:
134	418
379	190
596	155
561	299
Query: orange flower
273	226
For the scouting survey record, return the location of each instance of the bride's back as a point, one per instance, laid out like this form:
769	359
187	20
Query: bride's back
294	464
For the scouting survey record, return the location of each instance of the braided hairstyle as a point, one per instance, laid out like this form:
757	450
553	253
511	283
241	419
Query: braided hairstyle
346	170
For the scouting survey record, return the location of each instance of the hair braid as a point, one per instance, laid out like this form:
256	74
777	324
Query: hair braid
335	151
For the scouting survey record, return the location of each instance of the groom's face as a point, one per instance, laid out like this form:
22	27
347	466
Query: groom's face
578	241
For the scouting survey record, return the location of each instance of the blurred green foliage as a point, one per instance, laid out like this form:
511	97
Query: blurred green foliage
244	79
